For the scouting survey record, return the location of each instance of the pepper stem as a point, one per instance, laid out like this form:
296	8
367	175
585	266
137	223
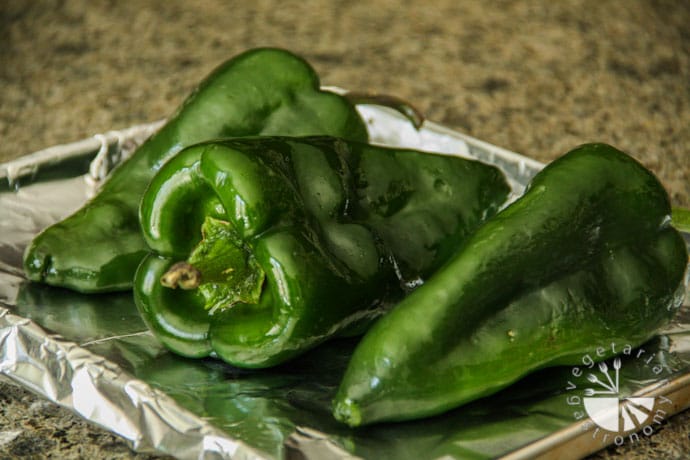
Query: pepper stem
221	267
183	275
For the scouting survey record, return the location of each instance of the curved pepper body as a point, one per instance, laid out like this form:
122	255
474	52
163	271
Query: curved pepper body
585	256
287	242
260	92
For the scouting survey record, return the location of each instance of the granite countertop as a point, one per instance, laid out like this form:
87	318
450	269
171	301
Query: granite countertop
534	77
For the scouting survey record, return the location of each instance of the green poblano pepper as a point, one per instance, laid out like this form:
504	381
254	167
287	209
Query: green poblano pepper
280	243
585	257
260	92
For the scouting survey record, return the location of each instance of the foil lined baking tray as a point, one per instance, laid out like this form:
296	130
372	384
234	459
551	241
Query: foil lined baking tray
93	354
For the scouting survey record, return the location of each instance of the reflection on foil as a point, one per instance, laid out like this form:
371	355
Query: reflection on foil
93	354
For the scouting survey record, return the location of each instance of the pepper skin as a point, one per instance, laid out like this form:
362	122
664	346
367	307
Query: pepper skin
584	258
260	92
280	243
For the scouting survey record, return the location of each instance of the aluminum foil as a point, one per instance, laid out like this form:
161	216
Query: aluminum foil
93	354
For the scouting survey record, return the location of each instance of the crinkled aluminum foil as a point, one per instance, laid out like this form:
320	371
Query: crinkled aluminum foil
93	354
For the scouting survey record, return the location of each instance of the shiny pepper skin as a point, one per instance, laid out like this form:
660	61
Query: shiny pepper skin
263	248
263	91
586	257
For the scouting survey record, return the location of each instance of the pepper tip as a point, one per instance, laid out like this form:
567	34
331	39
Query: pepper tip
347	411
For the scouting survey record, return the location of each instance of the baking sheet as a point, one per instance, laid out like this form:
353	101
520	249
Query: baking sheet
93	354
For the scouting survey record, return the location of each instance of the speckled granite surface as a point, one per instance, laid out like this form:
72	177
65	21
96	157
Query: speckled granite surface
534	77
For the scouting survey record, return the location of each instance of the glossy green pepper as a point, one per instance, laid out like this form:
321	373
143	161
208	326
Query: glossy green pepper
260	92
280	243
586	257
